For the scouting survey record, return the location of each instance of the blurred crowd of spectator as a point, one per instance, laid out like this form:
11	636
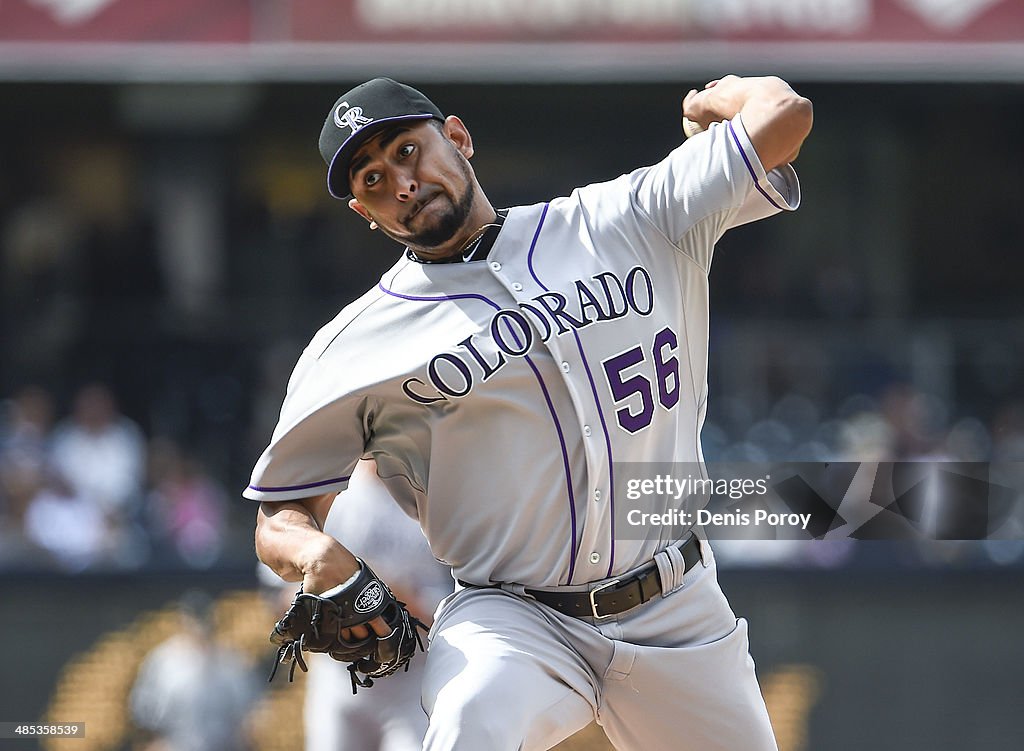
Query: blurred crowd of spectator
900	424
90	491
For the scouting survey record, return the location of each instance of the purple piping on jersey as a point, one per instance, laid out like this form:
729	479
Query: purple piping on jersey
544	390
597	400
307	486
533	245
750	168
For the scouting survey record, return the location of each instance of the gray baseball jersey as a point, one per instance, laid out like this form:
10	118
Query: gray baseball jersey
497	396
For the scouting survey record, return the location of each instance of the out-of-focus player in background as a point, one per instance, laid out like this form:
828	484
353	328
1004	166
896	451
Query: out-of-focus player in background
193	692
388	718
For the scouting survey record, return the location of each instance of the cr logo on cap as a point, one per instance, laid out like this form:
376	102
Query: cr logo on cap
352	117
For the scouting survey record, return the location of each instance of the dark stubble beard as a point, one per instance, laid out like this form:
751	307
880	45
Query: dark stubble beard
453	220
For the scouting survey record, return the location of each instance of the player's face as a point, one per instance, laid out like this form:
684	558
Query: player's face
415	183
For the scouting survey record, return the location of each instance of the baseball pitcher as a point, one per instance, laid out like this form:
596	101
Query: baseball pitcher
498	374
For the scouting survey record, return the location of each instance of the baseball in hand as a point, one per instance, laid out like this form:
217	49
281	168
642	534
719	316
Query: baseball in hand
690	128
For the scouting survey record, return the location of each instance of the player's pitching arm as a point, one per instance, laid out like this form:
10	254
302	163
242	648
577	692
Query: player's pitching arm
776	118
289	539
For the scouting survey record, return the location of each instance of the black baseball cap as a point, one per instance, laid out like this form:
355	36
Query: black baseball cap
362	112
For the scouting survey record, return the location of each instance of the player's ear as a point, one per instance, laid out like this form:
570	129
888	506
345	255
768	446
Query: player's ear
456	131
357	207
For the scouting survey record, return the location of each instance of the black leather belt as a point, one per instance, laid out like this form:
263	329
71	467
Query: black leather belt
616	595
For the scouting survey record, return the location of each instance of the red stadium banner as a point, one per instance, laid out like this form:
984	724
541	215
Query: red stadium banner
362	21
125	21
658	20
512	40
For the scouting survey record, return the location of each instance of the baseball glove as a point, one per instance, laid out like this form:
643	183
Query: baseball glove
313	623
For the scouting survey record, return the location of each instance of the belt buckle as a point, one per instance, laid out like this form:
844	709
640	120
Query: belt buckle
593	602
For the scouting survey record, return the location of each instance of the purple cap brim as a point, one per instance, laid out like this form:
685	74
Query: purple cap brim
357	138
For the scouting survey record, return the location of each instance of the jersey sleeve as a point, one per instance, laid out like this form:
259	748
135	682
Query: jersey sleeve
319	437
712	182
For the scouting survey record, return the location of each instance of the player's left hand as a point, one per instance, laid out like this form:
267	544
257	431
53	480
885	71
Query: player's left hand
329	624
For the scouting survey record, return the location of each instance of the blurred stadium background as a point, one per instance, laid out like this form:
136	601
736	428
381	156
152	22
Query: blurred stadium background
167	247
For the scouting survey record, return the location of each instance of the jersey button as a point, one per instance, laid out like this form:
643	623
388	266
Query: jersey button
595	557
517	286
597	495
586	430
495	266
565	367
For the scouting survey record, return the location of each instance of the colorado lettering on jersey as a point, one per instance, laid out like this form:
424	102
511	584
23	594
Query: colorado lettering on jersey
602	297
